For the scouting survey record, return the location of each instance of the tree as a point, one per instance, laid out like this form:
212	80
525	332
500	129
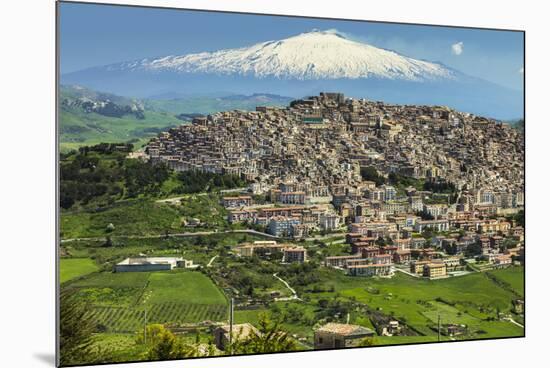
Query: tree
323	303
108	242
380	241
269	339
76	330
163	344
370	173
520	218
110	227
473	249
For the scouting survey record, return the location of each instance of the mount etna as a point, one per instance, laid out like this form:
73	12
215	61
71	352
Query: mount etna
304	65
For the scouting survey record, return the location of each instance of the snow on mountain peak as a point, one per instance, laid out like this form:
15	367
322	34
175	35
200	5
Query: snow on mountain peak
312	55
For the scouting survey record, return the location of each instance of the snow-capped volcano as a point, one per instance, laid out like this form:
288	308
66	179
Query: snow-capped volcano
304	65
311	55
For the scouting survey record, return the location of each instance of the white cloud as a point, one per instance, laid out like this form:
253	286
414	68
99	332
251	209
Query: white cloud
521	70
457	48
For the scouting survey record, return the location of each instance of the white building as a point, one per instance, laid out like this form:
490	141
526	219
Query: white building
144	264
329	222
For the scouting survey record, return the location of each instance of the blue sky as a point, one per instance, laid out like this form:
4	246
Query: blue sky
92	35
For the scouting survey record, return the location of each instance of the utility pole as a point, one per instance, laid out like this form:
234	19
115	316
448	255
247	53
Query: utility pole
145	327
438	327
231	326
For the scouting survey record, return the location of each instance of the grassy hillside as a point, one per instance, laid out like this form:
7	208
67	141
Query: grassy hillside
72	268
89	117
78	128
207	105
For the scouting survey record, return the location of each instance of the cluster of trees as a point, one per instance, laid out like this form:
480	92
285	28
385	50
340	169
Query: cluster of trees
86	176
162	344
333	310
83	178
473	250
195	182
450	248
246	281
256	274
269	339
519	218
403	181
370	173
384	241
441	186
301	274
143	177
291	314
424	215
107	148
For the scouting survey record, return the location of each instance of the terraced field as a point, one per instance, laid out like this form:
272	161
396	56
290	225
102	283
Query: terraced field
119	300
119	319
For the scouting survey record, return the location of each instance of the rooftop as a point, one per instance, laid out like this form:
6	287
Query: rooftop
345	329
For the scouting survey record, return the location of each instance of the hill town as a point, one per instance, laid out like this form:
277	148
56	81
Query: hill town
332	222
383	173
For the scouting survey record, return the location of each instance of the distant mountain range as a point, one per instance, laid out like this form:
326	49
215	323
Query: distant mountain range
303	65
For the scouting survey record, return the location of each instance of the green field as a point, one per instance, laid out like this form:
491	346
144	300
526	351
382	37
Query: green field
448	314
118	301
472	300
115	280
182	287
513	277
78	128
71	268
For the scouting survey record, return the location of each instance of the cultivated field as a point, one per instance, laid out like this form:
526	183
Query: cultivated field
471	300
71	268
119	300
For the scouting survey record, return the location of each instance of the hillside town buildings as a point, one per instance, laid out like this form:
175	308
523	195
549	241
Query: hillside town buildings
447	183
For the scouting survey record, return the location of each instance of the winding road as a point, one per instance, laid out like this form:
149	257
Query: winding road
294	295
175	235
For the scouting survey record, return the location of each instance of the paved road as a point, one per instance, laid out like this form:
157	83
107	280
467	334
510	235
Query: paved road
175	235
233	190
174	200
328	236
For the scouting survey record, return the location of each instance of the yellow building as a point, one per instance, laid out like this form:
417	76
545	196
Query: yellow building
433	270
417	267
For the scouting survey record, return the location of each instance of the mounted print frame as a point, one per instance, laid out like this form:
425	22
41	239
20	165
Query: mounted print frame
238	183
